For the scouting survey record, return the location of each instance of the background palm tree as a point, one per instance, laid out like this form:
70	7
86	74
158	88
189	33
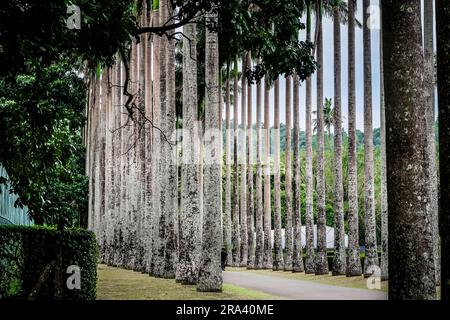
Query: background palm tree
259	208
328	117
288	181
297	255
278	250
353	260
227	218
384	263
236	224
243	170
339	232
309	219
250	168
267	204
321	255
371	256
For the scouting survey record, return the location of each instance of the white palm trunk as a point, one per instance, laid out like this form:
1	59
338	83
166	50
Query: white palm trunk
210	272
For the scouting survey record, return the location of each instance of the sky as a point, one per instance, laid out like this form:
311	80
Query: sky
328	72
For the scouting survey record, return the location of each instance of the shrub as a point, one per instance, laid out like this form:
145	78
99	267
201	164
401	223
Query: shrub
34	261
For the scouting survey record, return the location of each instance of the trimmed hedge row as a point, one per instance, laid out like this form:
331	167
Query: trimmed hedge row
34	263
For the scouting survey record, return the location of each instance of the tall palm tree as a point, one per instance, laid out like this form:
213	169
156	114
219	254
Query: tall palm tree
236	225
431	151
259	250
411	272
147	49
243	197
288	181
371	258
170	204
250	167
227	220
309	218
118	159
278	250
210	273
443	49
353	260
142	144
158	112
124	174
133	168
384	263
108	171
297	256
339	233
267	204
190	226
321	256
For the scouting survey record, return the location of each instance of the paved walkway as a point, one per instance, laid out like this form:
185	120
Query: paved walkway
299	289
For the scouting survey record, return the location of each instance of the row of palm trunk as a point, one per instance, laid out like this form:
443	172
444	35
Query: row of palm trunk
254	249
145	221
239	239
142	219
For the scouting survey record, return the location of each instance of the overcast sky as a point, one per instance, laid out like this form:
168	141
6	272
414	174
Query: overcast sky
328	71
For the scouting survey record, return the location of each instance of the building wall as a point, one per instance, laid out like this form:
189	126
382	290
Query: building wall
8	213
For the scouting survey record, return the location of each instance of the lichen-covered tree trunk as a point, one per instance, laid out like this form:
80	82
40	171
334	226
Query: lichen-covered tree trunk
109	161
411	265
133	189
210	273
169	204
155	147
236	225
117	137
148	90
243	170
141	154
190	226
321	256
278	249
227	218
102	221
124	163
267	205
339	233
371	257
250	167
158	113
428	24
384	263
288	181
443	62
297	256
309	219
259	209
353	260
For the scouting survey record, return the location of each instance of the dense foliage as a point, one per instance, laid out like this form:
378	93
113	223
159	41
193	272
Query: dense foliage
26	252
41	118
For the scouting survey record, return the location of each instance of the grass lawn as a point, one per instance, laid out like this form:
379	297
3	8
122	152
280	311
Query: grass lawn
342	281
119	284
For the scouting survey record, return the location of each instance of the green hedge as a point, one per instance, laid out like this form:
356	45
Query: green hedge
35	259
